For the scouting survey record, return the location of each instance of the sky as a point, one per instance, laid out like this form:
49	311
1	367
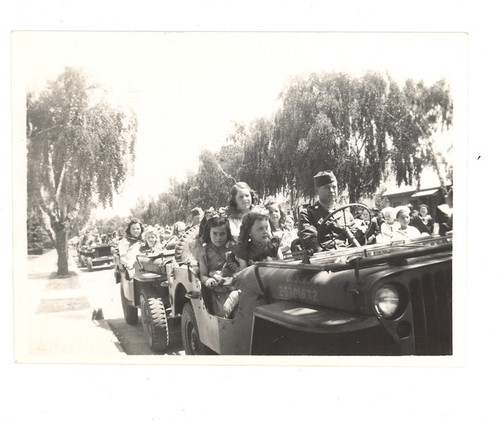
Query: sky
188	88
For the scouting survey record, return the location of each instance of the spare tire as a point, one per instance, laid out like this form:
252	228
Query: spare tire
184	248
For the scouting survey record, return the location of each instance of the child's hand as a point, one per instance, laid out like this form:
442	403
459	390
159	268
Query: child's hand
211	282
217	275
232	266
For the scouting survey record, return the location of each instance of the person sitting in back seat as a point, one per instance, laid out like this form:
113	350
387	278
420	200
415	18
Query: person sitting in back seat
216	272
255	242
151	245
128	247
405	230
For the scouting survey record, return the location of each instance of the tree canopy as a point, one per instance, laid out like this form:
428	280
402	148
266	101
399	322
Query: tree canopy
363	128
80	150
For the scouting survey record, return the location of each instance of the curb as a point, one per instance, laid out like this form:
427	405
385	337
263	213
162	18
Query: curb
65	317
97	316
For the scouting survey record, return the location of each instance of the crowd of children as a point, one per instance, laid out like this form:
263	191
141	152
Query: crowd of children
236	237
402	223
245	232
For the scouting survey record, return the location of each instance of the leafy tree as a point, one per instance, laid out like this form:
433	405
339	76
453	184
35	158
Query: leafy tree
38	237
362	128
79	150
140	208
258	168
109	225
334	121
213	182
292	123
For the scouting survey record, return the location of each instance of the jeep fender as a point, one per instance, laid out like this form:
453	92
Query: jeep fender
307	318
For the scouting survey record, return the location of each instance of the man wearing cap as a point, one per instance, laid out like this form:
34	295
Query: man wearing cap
311	218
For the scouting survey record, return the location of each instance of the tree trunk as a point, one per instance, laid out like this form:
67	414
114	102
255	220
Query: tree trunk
62	249
442	183
353	195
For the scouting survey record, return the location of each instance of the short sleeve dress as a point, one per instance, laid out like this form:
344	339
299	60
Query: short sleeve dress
254	253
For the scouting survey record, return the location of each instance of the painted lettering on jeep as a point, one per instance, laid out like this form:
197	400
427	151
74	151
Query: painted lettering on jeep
297	293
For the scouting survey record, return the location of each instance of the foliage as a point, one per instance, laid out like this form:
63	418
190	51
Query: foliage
109	225
212	180
38	237
363	128
79	151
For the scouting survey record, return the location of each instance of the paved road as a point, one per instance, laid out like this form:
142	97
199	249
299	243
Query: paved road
54	316
104	293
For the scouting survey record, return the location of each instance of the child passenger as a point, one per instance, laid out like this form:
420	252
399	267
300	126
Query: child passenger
389	226
255	242
216	272
405	230
151	244
276	218
289	235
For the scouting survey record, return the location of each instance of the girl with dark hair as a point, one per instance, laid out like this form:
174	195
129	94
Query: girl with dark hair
129	246
215	269
255	242
423	221
242	201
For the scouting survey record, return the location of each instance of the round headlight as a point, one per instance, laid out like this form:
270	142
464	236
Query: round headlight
387	301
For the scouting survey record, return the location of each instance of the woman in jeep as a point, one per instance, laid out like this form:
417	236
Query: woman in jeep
242	201
129	246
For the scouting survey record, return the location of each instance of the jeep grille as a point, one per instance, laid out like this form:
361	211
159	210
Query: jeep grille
431	301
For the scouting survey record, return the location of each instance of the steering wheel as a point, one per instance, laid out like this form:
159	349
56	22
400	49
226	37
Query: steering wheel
344	226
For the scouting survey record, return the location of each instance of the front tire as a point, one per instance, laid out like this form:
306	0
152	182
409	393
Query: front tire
129	312
89	264
154	320
189	331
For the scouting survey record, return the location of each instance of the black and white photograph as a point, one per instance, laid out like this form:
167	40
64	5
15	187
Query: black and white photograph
237	194
258	210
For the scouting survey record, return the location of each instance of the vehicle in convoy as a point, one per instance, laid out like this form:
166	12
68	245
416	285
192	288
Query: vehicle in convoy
146	289
96	255
381	299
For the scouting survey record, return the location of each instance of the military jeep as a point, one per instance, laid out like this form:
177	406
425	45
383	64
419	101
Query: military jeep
391	299
96	255
146	288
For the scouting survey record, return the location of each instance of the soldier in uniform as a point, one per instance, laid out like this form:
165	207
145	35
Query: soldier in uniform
311	218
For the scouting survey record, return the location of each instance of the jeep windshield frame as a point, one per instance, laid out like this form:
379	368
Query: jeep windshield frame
365	256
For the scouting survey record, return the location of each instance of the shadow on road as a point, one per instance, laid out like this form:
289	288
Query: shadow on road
133	339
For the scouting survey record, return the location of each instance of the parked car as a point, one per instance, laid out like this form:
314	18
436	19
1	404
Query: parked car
96	255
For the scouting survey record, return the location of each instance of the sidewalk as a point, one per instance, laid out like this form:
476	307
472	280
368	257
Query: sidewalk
55	322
